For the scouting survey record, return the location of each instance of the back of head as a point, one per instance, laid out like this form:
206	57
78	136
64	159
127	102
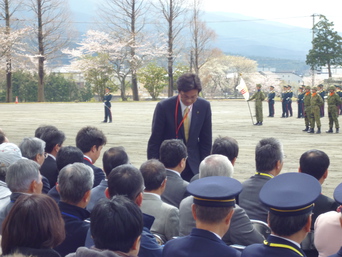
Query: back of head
9	154
35	222
87	137
314	162
189	81
74	180
287	225
2	137
171	152
31	146
267	153
68	155
226	146
125	180
154	173
52	138
21	174
216	165
113	157
116	224
42	129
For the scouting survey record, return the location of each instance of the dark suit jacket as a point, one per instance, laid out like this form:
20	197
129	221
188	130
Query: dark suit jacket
175	190
98	173
200	133
49	170
200	243
322	204
261	250
249	197
241	230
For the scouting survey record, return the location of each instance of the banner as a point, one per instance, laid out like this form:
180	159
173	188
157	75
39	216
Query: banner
243	89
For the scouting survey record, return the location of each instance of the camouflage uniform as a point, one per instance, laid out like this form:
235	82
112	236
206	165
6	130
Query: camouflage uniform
259	97
307	108
316	102
333	102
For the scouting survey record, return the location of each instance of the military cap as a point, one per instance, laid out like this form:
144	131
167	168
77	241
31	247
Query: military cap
215	191
9	153
290	194
314	88
289	86
272	86
108	88
302	86
307	87
338	194
320	85
332	88
258	85
338	86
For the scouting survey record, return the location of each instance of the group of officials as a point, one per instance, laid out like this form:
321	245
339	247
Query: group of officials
310	105
179	150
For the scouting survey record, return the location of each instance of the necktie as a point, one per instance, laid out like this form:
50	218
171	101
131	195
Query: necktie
186	123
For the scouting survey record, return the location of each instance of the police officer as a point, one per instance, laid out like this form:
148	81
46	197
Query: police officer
321	92
259	97
290	198
289	95
270	100
333	102
107	105
300	102
307	108
316	102
339	92
285	112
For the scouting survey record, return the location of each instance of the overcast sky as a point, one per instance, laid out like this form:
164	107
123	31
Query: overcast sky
293	12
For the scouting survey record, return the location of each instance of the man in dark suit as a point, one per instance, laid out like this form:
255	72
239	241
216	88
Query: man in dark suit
269	162
290	198
54	139
316	164
173	155
214	200
186	117
90	140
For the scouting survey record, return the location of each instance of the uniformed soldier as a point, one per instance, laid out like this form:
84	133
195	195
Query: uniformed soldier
307	108
321	92
316	102
285	112
300	102
107	105
259	97
339	92
290	198
270	100
333	102
289	96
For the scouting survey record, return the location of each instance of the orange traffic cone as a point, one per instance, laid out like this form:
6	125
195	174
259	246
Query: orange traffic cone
16	99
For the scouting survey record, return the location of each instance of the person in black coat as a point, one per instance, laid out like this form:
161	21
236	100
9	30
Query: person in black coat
186	117
270	100
107	106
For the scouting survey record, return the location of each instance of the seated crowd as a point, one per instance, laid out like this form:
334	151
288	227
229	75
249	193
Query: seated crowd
55	202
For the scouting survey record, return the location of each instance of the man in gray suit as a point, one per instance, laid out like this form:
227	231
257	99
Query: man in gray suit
166	223
241	230
173	155
112	158
269	162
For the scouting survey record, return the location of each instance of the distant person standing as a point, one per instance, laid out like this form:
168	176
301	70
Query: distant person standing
333	102
258	97
289	96
321	92
300	102
107	105
270	100
285	112
339	92
316	102
307	108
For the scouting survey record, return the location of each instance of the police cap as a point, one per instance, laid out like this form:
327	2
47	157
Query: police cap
290	194
215	191
338	194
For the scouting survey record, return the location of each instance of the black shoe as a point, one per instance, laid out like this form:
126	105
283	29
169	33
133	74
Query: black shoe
318	131
256	124
104	121
110	121
260	124
306	129
311	131
329	131
337	130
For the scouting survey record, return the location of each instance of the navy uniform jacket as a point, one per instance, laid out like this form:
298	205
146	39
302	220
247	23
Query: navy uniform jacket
98	173
76	228
200	132
300	97
271	96
322	94
106	99
200	243
262	250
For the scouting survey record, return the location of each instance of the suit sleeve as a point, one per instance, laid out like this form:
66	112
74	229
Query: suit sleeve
205	137
172	224
156	138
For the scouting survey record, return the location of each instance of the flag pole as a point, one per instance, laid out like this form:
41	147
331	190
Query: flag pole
244	91
250	112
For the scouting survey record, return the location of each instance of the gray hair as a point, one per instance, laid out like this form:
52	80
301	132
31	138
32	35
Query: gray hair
216	165
31	146
74	180
21	174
